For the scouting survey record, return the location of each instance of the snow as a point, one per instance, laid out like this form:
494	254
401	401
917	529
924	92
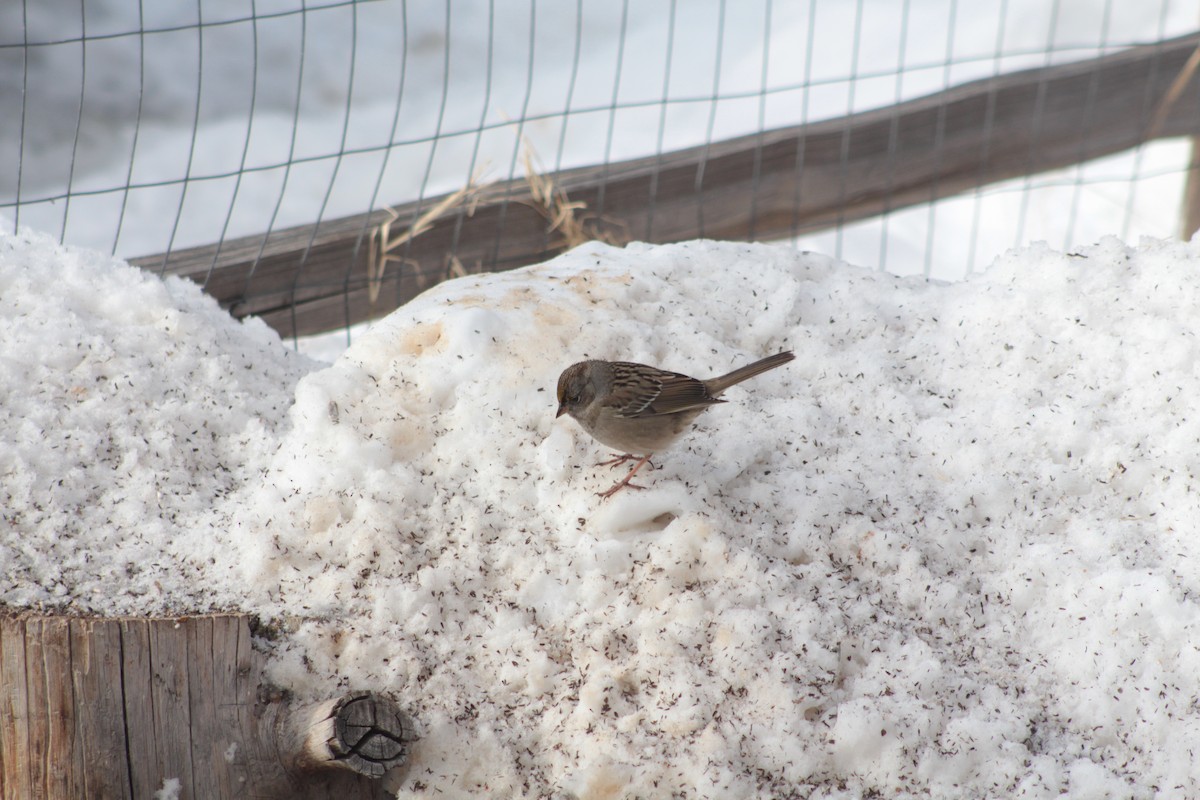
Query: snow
170	790
947	551
129	406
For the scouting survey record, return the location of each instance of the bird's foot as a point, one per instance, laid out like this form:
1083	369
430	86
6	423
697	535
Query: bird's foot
625	484
621	484
618	460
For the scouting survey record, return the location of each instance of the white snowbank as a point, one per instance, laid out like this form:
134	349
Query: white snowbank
129	407
950	549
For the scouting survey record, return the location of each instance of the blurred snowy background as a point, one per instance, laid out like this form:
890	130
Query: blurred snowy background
146	127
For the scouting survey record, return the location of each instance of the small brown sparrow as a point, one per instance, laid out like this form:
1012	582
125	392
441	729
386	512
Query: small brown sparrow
638	409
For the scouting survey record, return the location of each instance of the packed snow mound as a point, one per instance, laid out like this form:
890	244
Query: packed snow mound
950	549
946	549
129	406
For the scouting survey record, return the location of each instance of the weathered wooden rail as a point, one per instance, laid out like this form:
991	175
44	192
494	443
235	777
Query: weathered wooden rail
124	708
760	187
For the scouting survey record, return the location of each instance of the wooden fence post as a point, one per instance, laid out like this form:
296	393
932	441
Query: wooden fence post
107	708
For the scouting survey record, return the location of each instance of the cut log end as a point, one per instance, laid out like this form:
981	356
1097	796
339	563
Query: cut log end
360	732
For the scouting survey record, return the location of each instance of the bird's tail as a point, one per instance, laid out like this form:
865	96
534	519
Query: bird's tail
718	385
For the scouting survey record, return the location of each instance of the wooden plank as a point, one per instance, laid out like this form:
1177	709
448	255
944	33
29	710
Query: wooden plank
209	735
57	760
228	703
137	680
38	707
764	186
256	717
172	705
100	707
69	752
16	781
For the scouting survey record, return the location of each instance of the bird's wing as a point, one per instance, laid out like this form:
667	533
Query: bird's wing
659	392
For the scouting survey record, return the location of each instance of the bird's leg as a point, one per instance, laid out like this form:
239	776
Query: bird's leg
621	484
618	460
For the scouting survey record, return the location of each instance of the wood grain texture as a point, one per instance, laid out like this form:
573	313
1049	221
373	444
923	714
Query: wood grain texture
360	733
765	186
169	697
136	680
99	708
210	734
16	780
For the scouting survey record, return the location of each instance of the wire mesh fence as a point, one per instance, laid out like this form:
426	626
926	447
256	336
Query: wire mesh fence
232	126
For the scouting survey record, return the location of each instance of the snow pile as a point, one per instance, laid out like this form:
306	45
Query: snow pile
129	406
950	549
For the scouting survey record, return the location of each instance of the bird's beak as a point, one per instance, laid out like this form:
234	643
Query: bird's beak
561	410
